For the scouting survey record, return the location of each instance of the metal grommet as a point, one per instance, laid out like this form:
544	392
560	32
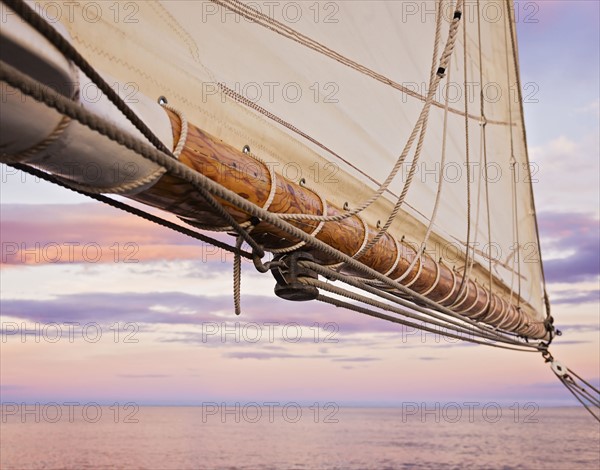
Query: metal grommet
346	206
246	149
302	182
378	224
162	100
558	368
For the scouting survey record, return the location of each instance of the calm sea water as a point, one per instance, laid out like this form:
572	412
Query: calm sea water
266	438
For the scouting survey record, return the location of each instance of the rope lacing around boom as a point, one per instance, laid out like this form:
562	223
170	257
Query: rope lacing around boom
205	186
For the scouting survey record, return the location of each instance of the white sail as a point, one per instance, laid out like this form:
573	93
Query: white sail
330	92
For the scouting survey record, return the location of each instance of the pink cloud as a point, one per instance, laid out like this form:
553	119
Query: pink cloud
91	233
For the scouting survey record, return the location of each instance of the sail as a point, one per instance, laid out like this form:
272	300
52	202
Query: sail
328	93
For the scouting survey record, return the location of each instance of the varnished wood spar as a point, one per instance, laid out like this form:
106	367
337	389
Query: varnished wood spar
251	179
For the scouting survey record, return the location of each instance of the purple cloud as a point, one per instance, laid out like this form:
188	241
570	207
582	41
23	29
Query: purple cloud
574	297
57	234
185	309
576	232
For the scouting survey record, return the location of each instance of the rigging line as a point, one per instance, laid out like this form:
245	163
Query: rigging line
517	255
74	110
513	166
374	303
584	393
455	318
413	166
513	36
131	210
487	191
439	188
381	305
283	30
349	306
581	390
199	181
422	121
469	268
237	277
31	17
584	381
577	396
443	322
468	259
467	142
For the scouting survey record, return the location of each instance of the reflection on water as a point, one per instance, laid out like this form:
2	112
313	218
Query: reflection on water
252	437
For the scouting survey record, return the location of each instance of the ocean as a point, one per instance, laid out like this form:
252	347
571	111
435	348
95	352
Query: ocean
287	436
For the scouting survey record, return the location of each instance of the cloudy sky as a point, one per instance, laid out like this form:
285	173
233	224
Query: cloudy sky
151	311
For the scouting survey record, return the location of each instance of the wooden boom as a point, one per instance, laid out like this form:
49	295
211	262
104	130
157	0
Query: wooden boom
248	177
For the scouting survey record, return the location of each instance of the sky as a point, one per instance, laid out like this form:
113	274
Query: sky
146	315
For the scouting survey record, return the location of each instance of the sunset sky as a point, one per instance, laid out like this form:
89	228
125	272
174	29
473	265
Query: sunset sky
172	295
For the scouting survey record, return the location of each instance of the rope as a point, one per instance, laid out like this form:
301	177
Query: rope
468	262
314	233
368	301
440	183
248	224
372	313
454	319
123	188
237	277
183	135
485	166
